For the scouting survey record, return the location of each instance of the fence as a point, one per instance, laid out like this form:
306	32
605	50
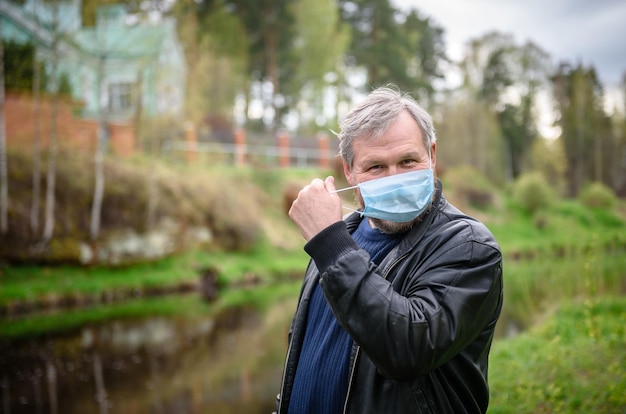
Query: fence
240	153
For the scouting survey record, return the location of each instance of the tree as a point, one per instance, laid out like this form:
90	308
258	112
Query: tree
393	47
470	135
4	183
619	171
427	51
548	158
269	25
507	77
582	120
321	40
216	50
49	220
518	134
36	88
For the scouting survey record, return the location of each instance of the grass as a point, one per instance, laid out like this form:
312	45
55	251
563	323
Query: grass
533	287
564	226
573	362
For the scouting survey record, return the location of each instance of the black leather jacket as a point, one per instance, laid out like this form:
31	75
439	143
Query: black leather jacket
422	322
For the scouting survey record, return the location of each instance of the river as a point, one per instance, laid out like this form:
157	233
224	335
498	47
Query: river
230	364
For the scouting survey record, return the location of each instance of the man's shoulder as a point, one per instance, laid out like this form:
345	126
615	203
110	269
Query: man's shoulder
454	223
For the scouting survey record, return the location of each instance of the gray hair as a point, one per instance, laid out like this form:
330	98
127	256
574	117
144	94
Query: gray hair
374	115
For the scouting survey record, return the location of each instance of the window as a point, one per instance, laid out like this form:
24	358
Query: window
121	97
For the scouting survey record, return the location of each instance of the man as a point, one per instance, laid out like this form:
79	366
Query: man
400	300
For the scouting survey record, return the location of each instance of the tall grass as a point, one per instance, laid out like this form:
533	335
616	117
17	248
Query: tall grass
534	286
571	363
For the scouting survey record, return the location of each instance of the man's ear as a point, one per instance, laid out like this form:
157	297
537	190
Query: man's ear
433	155
347	172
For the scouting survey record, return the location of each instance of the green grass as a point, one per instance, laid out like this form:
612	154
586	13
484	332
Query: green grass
31	282
564	226
532	287
273	268
573	362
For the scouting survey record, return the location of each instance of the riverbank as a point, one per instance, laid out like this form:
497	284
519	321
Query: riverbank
566	250
566	260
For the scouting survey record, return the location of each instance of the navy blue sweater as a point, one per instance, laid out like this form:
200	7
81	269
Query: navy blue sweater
321	380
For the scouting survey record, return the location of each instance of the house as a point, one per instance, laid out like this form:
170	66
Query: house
120	69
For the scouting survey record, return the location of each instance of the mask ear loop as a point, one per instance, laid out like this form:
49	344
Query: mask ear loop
430	159
346	189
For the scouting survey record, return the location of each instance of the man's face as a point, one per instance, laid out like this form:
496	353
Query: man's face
400	149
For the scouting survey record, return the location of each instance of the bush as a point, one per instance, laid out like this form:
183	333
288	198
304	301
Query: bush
571	363
532	192
597	195
469	187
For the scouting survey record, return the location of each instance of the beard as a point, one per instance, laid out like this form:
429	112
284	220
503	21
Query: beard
386	226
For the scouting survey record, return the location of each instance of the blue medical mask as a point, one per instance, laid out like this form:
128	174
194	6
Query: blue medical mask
399	198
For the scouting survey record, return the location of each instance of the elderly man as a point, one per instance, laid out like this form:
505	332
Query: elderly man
400	299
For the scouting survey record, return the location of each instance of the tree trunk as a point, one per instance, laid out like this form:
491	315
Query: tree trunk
34	209
4	192
96	206
52	149
51	175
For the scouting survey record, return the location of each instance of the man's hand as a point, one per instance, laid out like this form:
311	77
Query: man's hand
316	207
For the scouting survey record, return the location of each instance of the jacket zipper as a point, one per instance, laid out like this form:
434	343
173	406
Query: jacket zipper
358	348
282	384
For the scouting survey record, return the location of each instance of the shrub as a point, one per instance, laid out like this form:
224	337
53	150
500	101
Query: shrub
469	187
532	192
597	195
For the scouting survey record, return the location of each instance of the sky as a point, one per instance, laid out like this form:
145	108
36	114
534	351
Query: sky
591	32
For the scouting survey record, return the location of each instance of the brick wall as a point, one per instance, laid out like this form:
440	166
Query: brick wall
72	132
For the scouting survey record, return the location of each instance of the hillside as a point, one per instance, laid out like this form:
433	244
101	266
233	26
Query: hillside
150	210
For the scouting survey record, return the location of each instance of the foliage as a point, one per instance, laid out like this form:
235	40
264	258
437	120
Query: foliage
506	76
468	187
321	41
393	47
216	48
571	363
532	192
286	58
518	132
536	281
470	135
587	135
19	67
547	157
223	204
597	195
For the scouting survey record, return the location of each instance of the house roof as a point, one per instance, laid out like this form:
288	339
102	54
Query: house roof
114	40
124	41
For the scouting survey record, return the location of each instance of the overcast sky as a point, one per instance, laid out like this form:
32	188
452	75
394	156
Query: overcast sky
592	32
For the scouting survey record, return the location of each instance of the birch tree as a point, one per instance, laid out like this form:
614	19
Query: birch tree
4	184
98	193
34	209
49	221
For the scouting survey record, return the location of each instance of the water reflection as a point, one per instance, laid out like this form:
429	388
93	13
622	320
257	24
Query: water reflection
162	365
